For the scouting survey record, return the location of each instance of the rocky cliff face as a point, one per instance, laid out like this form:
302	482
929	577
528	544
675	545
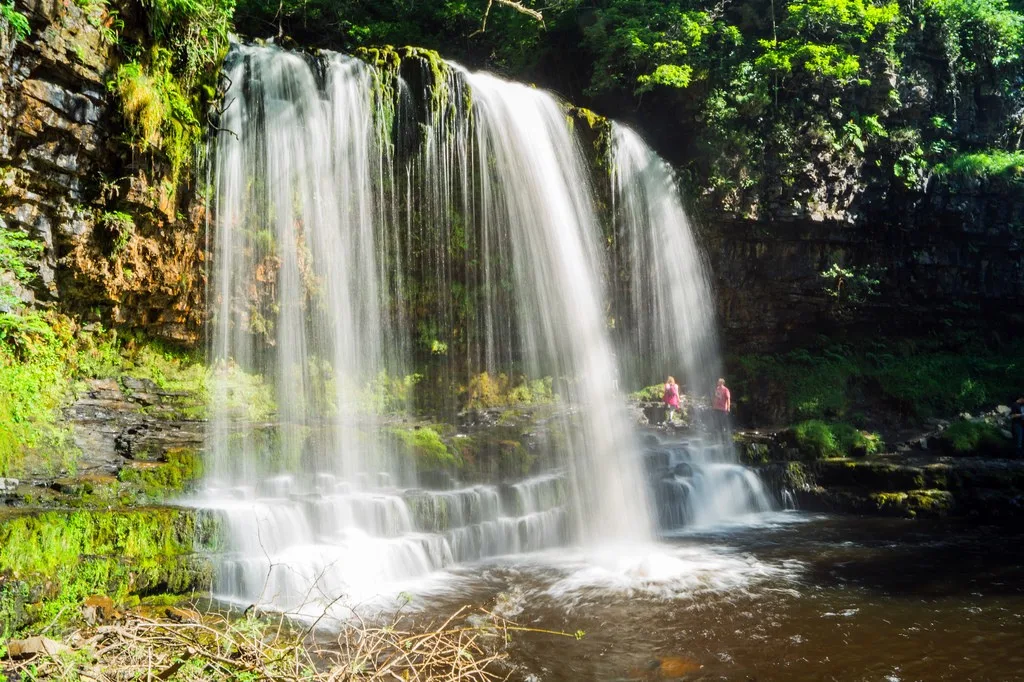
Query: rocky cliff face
950	255
118	249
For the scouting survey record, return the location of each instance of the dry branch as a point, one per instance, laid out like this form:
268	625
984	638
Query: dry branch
216	647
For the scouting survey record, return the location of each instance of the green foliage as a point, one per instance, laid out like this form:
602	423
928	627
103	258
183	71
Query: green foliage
72	555
427	450
853	441
157	108
978	34
994	163
503	390
817	439
15	248
37	356
921	379
121	227
848	288
14	21
42	356
166	82
659	39
825	37
648	394
968	437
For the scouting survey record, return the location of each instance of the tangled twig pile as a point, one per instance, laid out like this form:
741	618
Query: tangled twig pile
191	646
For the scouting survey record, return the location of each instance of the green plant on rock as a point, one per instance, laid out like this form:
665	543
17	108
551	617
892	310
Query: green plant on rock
428	451
851	441
815	439
15	249
501	390
850	287
180	469
994	163
967	437
121	227
14	21
158	110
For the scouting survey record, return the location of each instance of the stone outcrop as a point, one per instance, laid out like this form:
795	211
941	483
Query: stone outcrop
118	423
908	483
954	253
65	170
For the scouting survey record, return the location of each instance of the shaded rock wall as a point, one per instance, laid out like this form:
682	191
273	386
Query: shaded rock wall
64	168
954	253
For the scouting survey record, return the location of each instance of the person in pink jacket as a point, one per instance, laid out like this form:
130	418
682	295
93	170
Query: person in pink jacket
671	398
721	404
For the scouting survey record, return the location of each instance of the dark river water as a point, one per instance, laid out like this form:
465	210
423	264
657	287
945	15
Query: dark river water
790	596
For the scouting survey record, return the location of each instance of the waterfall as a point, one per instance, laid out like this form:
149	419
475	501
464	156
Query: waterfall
667	323
665	307
341	192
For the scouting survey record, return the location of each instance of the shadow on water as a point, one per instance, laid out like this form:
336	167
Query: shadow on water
913	559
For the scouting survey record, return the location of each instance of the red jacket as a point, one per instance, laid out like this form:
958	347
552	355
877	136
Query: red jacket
723	400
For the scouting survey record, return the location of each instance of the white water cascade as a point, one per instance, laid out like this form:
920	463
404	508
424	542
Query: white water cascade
324	184
667	312
668	325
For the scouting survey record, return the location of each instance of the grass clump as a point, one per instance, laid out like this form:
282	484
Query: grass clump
817	439
967	437
992	163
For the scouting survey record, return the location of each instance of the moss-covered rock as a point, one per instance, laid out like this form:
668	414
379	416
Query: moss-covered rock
179	472
913	503
425	448
51	561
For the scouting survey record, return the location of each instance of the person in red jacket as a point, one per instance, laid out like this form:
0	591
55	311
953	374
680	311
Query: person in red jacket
671	398
721	405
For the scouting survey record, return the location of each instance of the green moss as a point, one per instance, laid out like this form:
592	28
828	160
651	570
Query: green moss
753	454
425	447
796	476
182	468
63	557
914	503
